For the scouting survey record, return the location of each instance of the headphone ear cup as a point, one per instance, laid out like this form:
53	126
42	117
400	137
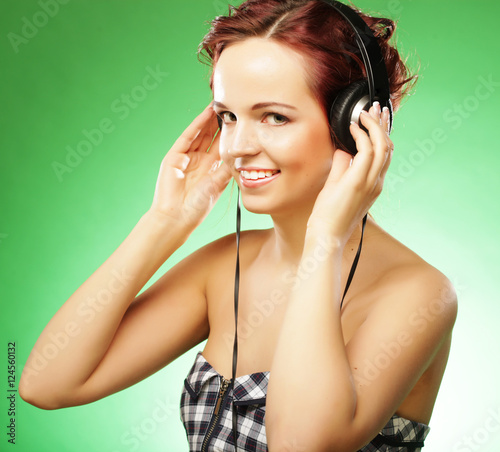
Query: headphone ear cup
341	113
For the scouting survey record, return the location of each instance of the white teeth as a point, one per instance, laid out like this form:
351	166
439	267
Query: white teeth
254	174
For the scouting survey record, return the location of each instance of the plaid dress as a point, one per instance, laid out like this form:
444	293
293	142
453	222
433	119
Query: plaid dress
207	416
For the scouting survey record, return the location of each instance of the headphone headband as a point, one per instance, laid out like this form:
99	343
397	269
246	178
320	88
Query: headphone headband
376	71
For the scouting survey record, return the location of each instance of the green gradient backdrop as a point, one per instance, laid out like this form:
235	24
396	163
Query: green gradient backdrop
65	77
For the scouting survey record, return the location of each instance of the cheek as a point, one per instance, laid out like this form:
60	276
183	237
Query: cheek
320	152
224	148
323	147
318	149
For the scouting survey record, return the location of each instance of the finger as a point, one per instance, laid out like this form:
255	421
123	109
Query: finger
222	175
202	142
386	119
377	188
208	152
192	132
214	147
383	172
211	187
206	136
375	111
386	125
379	145
214	124
213	136
363	160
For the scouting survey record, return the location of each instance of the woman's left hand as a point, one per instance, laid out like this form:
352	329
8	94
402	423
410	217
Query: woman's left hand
354	183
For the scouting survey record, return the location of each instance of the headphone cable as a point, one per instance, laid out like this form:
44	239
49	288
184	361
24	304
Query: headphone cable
236	297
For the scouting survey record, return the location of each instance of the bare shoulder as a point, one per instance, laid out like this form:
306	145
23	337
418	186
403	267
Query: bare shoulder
408	285
219	257
398	326
426	294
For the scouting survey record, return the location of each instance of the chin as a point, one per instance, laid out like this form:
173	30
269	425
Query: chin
257	207
275	207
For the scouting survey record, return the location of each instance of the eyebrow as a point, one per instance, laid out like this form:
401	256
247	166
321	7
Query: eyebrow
260	105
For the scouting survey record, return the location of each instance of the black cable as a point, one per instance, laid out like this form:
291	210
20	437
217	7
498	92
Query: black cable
236	297
355	262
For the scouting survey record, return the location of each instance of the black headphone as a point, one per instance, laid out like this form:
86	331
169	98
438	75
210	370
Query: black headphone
346	107
360	95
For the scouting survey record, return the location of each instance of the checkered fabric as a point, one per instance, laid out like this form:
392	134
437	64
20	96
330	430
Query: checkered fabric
199	398
399	435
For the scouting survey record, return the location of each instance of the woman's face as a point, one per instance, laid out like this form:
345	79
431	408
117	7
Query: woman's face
275	137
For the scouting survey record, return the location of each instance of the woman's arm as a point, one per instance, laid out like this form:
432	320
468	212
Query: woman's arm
322	395
101	340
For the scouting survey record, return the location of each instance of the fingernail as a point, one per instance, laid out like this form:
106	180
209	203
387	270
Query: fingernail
385	109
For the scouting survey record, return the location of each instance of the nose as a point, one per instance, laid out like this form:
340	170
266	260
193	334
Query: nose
244	140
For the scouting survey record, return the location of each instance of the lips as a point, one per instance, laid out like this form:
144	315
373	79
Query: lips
258	174
252	178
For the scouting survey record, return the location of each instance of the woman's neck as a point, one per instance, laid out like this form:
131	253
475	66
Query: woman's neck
289	237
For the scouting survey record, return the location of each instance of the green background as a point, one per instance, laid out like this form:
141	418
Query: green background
70	73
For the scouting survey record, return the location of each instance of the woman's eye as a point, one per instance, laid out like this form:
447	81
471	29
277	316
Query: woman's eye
227	116
276	119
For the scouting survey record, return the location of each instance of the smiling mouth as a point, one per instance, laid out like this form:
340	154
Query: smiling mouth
255	175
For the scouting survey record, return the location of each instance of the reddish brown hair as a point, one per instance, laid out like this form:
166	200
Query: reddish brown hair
318	32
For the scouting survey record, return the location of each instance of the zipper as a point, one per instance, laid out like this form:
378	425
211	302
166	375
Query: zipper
215	418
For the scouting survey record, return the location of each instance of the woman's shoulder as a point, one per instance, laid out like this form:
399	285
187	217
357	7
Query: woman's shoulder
399	261
222	251
400	277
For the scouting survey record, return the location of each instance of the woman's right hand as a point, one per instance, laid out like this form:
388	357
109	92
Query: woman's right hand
192	175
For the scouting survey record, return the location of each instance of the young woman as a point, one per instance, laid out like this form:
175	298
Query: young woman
312	375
